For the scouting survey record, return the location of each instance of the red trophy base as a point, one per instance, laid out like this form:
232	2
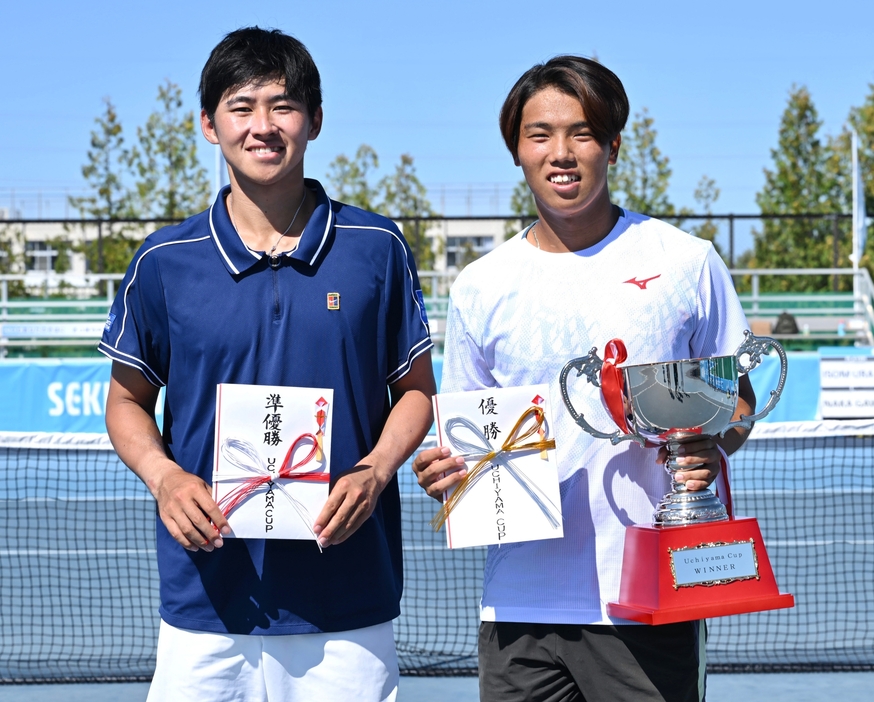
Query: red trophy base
681	573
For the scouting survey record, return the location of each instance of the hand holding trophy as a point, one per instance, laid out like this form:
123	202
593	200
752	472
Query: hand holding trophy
666	404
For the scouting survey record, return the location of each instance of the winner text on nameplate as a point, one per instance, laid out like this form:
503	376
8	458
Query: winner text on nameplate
715	563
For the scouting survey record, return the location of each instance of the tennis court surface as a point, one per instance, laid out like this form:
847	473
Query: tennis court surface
778	687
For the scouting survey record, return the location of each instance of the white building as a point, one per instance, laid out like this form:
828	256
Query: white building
457	242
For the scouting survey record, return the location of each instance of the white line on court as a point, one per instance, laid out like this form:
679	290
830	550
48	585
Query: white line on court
93	498
77	552
131	551
803	491
824	542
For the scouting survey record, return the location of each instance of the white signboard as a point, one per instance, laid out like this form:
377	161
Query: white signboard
272	463
846	404
58	330
847	372
847	387
514	495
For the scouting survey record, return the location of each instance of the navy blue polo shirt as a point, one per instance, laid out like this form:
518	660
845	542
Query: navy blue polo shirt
196	308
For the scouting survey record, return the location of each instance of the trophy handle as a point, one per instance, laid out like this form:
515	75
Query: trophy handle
590	365
754	346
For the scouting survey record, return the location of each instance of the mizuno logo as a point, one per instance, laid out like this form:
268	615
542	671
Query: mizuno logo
642	283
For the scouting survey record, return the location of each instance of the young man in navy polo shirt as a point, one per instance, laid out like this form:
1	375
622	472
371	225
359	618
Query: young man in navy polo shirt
247	292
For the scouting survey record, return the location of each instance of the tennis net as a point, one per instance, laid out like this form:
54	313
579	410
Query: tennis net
79	585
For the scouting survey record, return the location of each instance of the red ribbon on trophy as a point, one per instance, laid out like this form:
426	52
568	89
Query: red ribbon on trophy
612	383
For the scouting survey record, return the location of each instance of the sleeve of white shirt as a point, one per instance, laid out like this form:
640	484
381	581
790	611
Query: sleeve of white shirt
464	363
721	319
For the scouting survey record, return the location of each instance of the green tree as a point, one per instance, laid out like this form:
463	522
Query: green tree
803	180
171	182
12	261
705	195
105	168
403	195
399	194
862	120
640	179
523	205
840	164
468	254
350	178
63	247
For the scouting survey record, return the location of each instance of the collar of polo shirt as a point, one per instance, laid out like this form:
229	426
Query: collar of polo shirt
238	257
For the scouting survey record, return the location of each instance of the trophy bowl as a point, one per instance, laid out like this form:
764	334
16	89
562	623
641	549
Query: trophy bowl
670	403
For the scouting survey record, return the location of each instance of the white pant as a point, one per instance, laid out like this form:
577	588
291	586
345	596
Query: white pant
347	666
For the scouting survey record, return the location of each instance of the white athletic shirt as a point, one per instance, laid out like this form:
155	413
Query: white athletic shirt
516	316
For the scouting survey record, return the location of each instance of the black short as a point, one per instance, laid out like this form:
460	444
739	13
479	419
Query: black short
591	663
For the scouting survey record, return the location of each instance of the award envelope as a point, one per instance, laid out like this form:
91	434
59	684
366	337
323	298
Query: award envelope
512	491
271	467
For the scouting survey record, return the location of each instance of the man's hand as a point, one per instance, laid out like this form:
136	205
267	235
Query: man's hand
693	453
187	509
437	471
705	450
353	496
351	501
185	502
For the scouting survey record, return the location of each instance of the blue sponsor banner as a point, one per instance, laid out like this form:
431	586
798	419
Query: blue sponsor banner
800	399
57	395
69	395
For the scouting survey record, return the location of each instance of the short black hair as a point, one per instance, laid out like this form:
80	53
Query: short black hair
252	55
597	88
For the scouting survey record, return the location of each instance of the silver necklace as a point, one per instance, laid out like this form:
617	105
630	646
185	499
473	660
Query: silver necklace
533	230
287	229
274	258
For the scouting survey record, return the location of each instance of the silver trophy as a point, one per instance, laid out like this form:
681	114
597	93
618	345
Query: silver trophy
670	403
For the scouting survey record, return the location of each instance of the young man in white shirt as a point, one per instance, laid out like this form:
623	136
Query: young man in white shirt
585	272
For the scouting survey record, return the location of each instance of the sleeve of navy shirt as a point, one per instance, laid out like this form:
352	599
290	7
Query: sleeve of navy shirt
136	330
407	334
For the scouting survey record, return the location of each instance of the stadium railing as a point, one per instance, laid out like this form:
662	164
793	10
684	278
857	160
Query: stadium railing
69	310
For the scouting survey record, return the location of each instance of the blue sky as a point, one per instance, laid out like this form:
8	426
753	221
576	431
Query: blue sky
428	78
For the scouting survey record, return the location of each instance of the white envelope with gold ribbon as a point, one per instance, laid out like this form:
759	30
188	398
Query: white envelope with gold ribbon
511	491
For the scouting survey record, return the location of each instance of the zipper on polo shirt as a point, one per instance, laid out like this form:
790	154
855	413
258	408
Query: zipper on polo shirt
276	308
